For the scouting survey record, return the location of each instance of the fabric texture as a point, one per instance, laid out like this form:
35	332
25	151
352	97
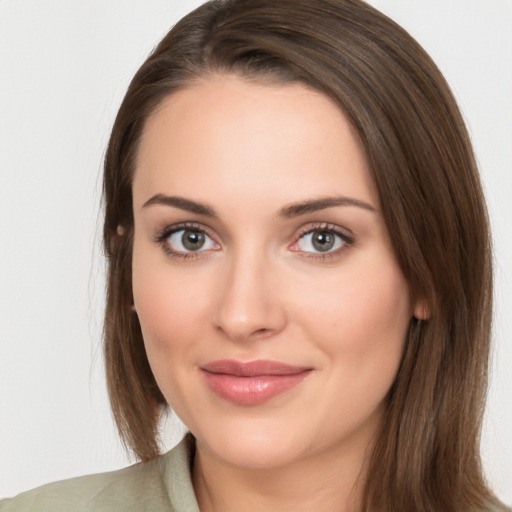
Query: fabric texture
162	485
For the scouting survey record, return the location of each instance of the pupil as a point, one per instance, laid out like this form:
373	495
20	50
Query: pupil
323	241
192	240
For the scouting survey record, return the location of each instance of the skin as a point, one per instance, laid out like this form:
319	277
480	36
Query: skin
258	289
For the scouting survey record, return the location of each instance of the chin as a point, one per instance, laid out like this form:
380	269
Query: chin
257	454
254	446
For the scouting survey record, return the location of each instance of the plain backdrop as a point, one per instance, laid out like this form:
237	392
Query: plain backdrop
64	67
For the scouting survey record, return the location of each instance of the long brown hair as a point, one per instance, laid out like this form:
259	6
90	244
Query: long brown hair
426	456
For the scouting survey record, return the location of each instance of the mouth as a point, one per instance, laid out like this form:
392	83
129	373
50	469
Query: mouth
254	382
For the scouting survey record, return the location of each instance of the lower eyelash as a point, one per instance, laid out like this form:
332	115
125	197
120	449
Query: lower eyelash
181	255
324	256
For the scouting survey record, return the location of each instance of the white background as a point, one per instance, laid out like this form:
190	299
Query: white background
64	67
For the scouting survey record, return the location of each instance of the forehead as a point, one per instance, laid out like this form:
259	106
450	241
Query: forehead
242	137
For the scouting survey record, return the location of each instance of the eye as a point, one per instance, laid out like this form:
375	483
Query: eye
186	240
189	240
322	240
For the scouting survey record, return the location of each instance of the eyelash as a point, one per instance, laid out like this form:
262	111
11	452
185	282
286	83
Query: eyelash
347	240
162	237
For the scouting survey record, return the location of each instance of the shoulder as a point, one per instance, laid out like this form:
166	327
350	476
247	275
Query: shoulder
116	489
163	484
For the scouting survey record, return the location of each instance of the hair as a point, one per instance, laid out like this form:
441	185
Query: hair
426	454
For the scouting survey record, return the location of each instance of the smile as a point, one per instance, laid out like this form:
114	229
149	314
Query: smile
254	382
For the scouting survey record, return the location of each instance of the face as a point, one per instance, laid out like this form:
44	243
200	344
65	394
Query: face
272	307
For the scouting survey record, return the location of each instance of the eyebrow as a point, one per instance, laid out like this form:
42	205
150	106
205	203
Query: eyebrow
296	209
182	204
288	212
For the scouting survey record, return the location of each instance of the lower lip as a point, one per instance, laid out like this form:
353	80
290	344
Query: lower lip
252	390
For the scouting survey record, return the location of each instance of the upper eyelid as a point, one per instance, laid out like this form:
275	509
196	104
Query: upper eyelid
160	235
326	226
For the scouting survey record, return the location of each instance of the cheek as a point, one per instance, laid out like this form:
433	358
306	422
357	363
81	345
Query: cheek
169	309
169	313
171	319
360	322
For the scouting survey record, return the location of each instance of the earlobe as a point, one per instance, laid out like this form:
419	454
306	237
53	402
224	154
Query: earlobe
421	310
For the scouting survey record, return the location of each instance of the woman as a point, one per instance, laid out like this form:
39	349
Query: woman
299	266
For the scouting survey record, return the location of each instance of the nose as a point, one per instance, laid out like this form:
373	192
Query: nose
249	305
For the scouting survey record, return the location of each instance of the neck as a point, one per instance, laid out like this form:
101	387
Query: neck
330	481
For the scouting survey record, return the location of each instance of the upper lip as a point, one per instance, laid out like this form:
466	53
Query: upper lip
252	368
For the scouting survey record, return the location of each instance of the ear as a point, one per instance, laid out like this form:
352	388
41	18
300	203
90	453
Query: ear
421	310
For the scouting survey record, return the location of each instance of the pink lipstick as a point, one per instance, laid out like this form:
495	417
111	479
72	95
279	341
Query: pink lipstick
254	382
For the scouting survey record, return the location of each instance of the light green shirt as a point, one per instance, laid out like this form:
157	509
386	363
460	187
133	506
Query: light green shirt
162	485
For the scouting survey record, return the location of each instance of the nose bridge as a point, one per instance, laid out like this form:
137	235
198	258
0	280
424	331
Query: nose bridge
249	304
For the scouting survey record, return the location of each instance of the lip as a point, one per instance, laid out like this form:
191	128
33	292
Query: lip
253	382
